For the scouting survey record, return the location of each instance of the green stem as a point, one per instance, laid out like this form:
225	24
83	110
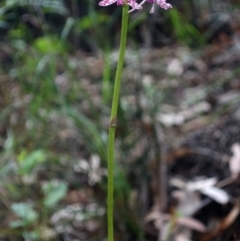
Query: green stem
113	120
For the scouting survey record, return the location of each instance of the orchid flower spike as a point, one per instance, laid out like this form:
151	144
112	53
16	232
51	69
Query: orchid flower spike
161	3
136	6
131	3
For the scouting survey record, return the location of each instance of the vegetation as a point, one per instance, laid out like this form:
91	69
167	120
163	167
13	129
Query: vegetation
56	82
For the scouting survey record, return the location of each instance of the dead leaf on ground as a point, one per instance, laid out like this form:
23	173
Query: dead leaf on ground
234	162
225	223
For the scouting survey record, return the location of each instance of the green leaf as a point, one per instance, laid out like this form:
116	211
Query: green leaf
55	6
89	130
18	224
28	161
54	192
47	45
86	23
25	212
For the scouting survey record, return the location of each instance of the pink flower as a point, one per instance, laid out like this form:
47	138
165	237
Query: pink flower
137	6
161	3
131	3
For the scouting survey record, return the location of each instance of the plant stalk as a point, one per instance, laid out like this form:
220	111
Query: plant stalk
113	120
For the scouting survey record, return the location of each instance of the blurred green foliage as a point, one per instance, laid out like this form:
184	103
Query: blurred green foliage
46	126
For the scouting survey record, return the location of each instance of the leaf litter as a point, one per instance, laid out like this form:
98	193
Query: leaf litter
191	161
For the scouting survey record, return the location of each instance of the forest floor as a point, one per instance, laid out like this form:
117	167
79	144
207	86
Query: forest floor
178	148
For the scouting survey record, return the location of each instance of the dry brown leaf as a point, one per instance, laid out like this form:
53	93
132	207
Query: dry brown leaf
201	184
225	223
216	194
178	118
234	162
189	203
184	221
181	237
192	224
207	188
231	217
